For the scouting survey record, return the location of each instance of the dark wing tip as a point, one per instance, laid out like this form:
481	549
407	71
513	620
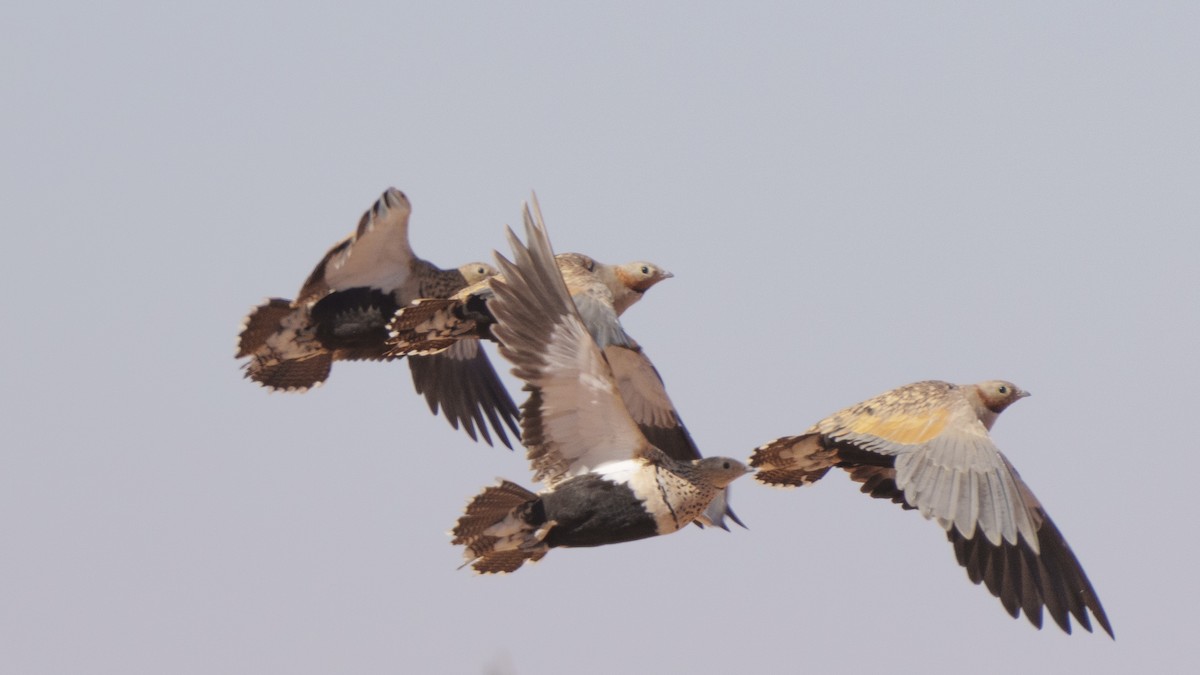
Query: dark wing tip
1024	581
467	391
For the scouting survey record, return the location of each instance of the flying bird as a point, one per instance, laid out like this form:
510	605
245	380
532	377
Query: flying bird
606	482
601	293
431	325
926	446
342	311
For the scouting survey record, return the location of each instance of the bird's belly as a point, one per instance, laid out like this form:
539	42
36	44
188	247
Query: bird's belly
590	510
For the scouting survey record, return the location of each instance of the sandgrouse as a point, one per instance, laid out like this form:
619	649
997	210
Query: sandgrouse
926	446
601	293
342	311
606	483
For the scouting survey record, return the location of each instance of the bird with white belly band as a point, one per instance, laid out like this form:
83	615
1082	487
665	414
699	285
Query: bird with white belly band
606	482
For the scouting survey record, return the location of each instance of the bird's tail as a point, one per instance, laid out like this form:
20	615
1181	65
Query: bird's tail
792	460
500	529
428	326
297	375
261	323
283	349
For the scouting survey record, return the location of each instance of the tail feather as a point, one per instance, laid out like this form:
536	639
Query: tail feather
503	562
261	323
487	509
428	326
793	460
292	374
284	351
500	529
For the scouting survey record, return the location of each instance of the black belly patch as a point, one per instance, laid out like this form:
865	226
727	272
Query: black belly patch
355	318
592	511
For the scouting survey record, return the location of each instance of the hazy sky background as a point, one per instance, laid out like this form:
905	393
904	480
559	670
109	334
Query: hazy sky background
851	196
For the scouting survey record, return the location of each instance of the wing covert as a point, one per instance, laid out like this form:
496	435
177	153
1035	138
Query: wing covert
574	419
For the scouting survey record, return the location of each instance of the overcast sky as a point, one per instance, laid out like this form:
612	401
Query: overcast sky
851	198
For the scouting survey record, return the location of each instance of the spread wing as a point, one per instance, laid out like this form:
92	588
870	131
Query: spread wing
645	396
463	383
1024	576
574	419
922	447
638	382
377	255
946	464
1027	577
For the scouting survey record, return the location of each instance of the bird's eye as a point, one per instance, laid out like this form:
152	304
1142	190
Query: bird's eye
1003	389
725	465
645	270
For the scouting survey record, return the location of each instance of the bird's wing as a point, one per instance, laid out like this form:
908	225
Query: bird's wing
1024	577
642	390
645	396
1028	577
638	381
463	383
574	419
946	464
377	255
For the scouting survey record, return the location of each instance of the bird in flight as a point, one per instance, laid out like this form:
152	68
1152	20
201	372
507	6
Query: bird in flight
606	482
342	311
601	292
926	446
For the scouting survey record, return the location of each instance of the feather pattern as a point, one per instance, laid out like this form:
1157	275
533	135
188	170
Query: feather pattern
577	421
342	311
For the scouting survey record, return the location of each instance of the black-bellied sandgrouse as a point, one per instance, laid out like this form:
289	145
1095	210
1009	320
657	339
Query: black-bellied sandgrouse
606	483
926	446
601	293
342	311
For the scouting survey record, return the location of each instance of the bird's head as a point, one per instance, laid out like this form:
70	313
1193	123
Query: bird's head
640	275
721	471
476	272
992	397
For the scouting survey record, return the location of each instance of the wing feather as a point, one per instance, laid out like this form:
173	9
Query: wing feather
575	419
1022	579
933	472
377	255
463	384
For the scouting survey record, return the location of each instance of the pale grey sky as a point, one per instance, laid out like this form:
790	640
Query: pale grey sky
850	197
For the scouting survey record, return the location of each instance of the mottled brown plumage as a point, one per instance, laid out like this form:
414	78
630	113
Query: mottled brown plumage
926	446
432	324
342	310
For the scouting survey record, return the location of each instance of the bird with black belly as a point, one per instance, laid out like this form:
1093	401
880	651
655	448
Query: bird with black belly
606	483
601	293
926	446
342	311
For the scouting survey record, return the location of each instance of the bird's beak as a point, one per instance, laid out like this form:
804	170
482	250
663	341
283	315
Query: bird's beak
1021	393
666	274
